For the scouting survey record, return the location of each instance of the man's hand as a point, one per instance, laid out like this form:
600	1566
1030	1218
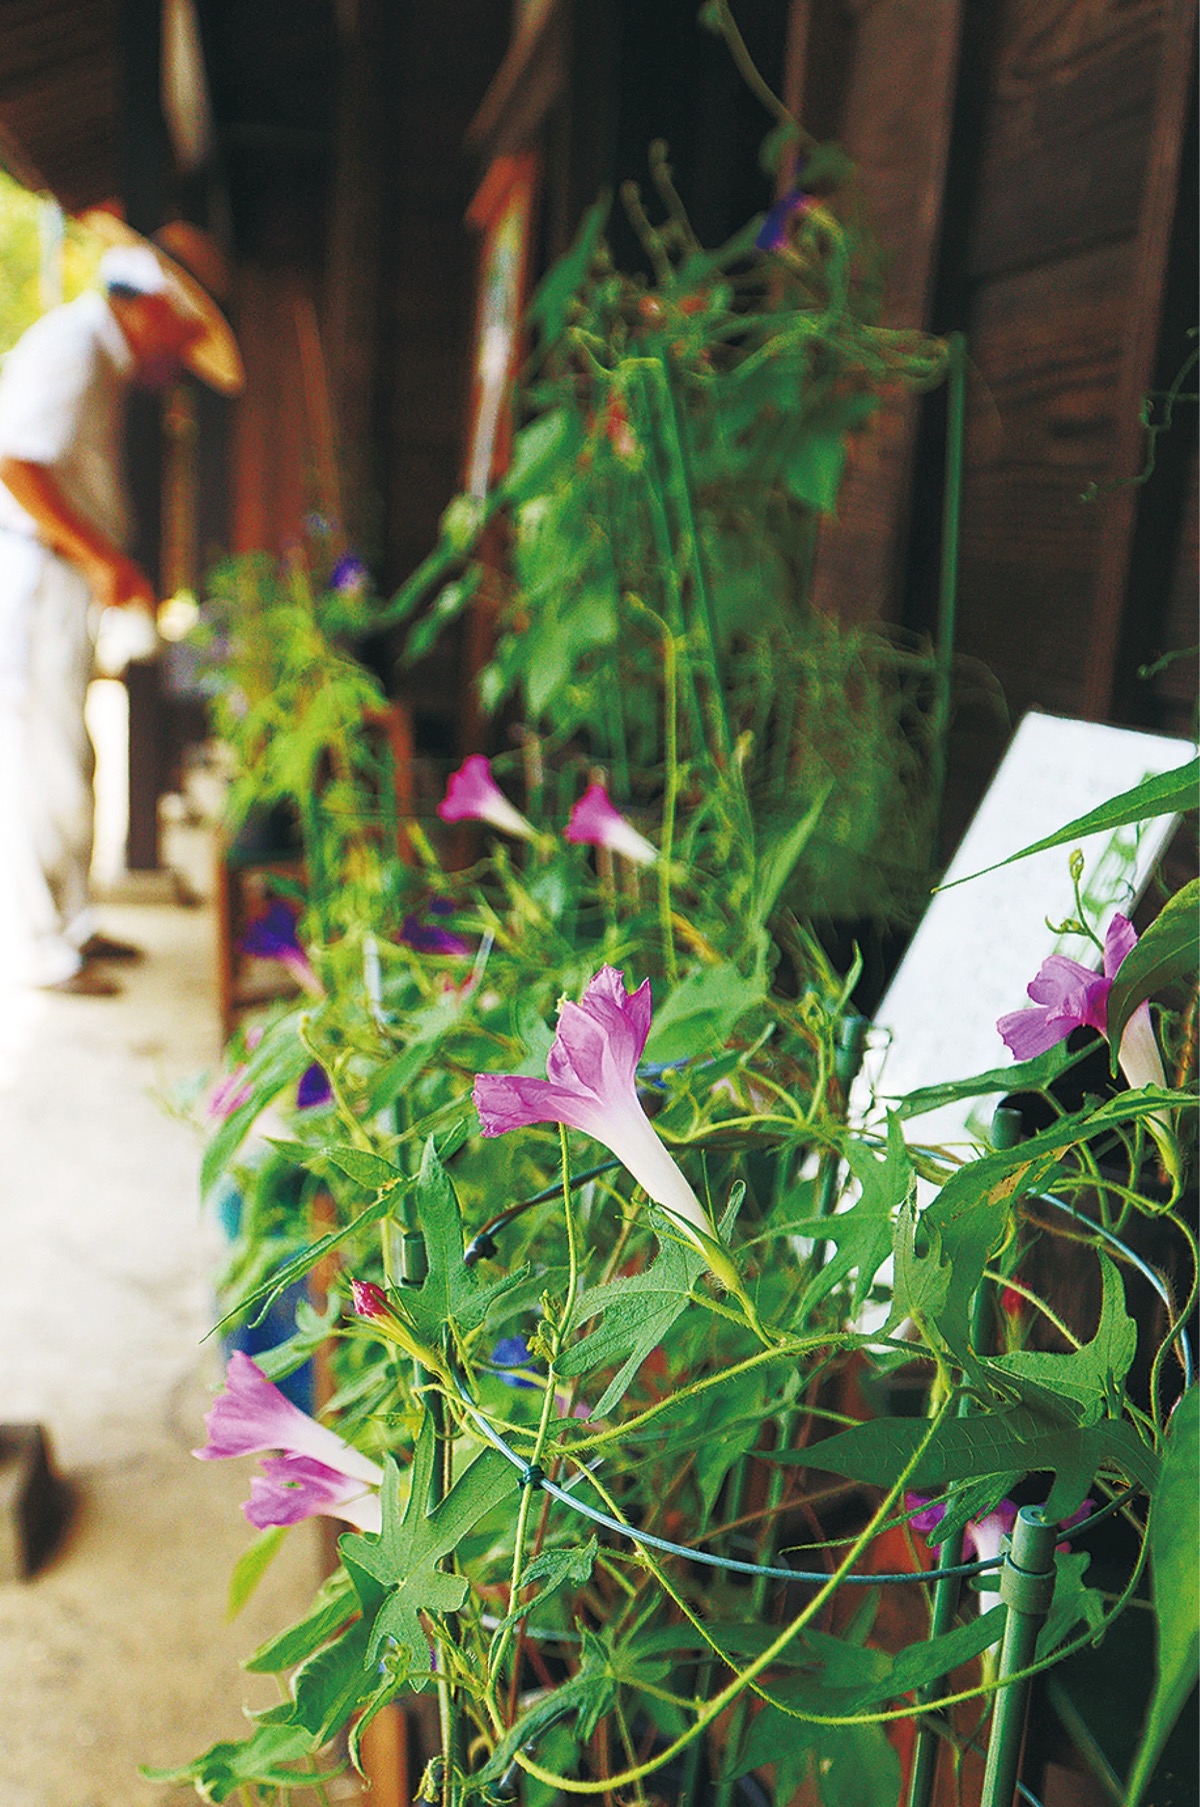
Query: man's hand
116	581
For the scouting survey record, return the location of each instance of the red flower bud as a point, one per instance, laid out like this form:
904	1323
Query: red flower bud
370	1301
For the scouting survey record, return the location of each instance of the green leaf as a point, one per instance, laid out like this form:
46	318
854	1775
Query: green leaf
327	1687
863	1233
813	473
447	606
451	1293
1169	951
550	304
856	1765
566	1566
1073	1603
971	1212
558	639
370	1171
701	1012
335	1602
403	1558
1019	1440
251	1566
313	1328
300	1264
725	1426
637	1310
776	859
588	1693
923	1277
1165	794
266	1758
1020	1076
1089	1381
1175	1574
279	1060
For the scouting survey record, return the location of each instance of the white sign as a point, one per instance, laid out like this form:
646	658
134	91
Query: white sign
978	946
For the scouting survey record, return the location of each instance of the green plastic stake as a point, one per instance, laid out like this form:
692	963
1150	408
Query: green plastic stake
941	1619
1026	1588
1007	1127
850	1041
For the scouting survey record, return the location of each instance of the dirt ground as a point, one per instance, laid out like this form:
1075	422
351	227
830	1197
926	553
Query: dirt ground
119	1653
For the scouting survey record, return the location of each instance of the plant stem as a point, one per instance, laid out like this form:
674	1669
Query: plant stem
505	1638
670	793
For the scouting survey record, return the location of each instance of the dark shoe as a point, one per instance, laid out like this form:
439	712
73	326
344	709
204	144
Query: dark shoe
103	947
86	983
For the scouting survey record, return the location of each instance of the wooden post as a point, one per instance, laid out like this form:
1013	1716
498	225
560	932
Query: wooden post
144	162
897	67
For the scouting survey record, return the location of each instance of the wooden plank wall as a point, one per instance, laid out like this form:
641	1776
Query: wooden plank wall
1028	167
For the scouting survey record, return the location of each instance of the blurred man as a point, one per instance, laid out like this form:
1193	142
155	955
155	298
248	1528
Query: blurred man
64	525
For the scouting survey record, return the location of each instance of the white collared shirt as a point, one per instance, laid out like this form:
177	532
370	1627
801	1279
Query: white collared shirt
62	396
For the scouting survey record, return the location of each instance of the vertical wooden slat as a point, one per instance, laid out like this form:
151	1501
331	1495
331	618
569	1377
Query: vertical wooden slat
357	230
1143	312
144	163
897	119
270	443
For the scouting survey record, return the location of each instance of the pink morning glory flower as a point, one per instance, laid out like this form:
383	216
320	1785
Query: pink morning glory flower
983	1538
292	1488
595	820
230	1091
1068	995
228	1095
315	1471
473	795
591	1086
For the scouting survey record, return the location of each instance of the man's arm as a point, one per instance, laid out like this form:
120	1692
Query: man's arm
116	580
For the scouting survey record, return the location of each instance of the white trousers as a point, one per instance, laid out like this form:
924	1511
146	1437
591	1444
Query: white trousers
47	805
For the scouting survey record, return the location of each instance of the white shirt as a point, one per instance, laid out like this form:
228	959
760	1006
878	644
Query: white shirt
62	396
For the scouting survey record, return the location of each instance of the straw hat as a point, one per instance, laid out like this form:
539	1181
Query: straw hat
183	262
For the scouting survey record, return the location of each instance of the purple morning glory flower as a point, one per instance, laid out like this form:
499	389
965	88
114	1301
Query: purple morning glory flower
472	795
274	936
349	576
595	820
429	938
314	1087
773	235
591	1086
513	1352
1067	995
315	1471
